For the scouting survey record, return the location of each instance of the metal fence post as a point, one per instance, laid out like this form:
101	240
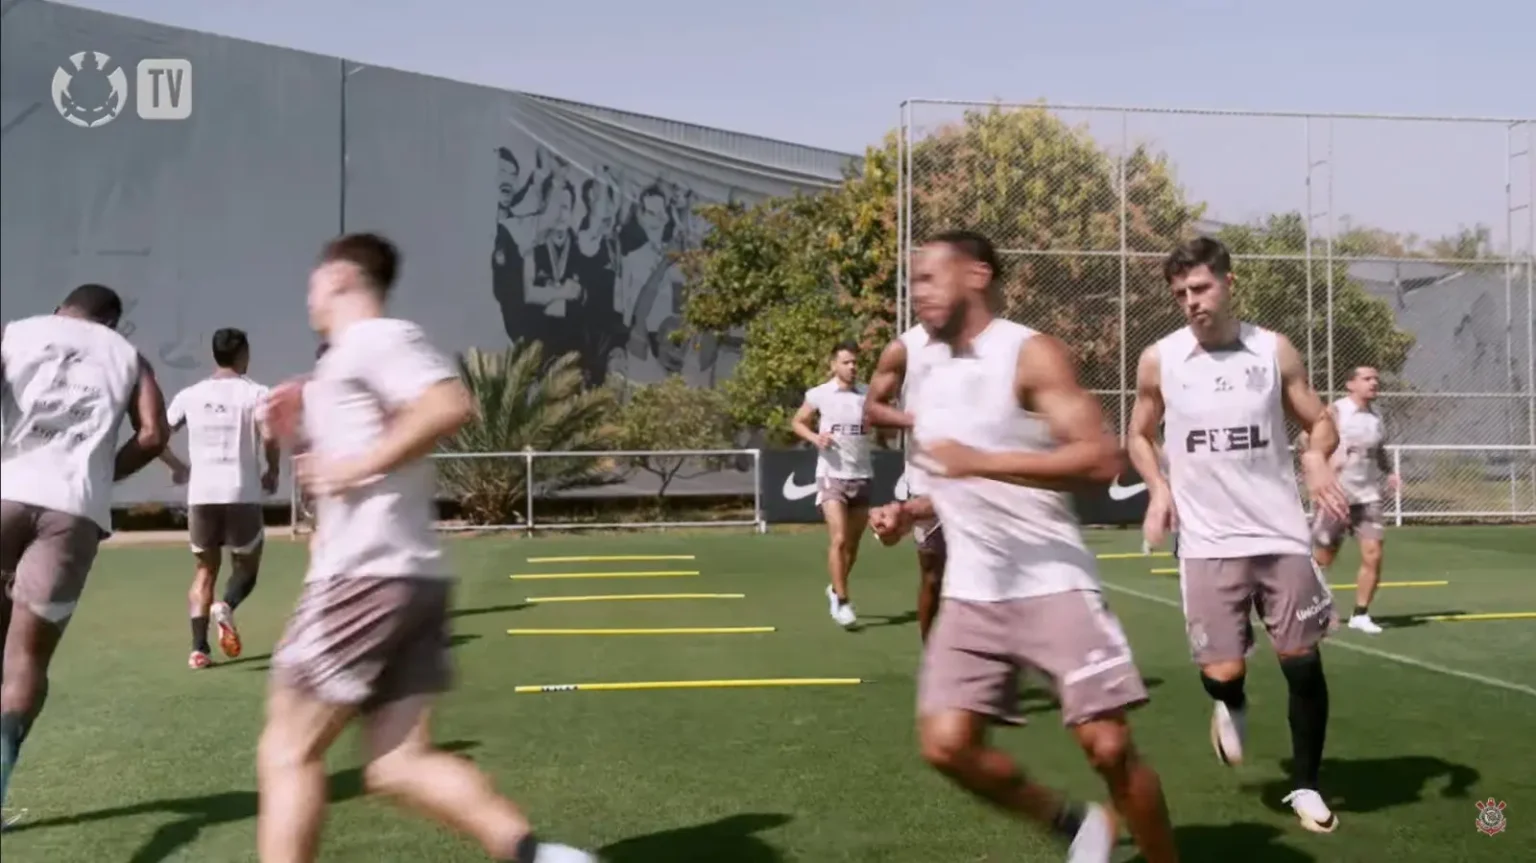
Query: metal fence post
1397	493
757	491
528	485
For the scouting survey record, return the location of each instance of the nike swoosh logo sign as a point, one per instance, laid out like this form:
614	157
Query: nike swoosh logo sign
1125	492
796	491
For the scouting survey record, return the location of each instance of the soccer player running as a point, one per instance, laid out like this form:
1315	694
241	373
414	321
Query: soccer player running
225	487
369	638
1225	388
1361	461
843	469
70	378
898	373
1005	429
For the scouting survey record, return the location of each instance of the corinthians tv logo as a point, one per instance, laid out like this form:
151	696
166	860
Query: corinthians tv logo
90	89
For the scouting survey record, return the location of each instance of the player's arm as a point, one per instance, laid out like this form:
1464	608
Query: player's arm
1146	417
800	423
1303	404
880	410
429	401
176	420
151	430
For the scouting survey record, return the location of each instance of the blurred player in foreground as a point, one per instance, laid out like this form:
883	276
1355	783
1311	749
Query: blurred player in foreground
369	639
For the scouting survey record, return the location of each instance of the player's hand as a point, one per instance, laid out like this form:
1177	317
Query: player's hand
269	481
285	410
953	459
890	523
823	440
1160	519
180	475
1394	483
1323	486
328	477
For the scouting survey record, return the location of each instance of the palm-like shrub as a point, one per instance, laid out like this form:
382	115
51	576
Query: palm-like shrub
523	404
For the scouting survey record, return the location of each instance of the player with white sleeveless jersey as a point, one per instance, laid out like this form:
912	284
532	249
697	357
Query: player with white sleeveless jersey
225	487
898	375
369	639
70	378
1223	389
1005	431
843	469
1361	461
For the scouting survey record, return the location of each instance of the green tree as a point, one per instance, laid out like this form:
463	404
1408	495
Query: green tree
798	273
671	415
522	403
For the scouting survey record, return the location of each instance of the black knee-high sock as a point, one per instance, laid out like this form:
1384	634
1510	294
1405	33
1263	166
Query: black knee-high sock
241	582
200	634
526	850
1229	692
1308	715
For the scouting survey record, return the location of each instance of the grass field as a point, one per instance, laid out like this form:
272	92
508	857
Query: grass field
139	759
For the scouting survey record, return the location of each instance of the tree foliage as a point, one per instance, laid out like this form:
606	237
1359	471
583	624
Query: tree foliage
522	403
798	273
671	415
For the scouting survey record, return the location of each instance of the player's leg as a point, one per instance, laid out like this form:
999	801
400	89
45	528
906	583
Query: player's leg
403	763
1218	601
1297	609
290	772
834	509
1327	536
931	555
856	497
1370	533
205	531
967	682
245	535
46	557
1075	640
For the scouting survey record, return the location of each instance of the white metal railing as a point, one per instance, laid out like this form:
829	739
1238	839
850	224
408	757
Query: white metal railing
302	517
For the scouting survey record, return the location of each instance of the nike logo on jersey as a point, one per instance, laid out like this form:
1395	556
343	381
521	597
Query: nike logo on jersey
796	491
1125	492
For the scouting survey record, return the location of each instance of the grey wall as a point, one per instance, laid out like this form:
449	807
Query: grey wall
214	220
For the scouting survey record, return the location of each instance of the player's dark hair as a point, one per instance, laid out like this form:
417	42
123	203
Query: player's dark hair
1200	252
321	349
850	346
376	256
228	344
506	155
98	303
973	246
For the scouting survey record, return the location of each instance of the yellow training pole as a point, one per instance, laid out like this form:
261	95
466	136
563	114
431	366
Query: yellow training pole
597	558
1508	615
635	596
555	576
688	684
1133	555
1351	586
708	630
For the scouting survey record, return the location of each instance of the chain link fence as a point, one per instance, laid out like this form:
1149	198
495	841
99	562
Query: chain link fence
1404	243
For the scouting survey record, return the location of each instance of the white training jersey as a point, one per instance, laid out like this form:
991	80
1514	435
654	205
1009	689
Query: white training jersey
68	383
922	351
1229	462
1360	440
384	526
224	445
1005	541
840	413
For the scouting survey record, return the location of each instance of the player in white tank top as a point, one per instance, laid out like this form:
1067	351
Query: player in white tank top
1363	466
69	379
1222	389
843	469
899	374
1005	431
226	487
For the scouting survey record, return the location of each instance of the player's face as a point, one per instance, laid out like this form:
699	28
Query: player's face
845	366
506	178
938	288
325	283
1365	384
1203	296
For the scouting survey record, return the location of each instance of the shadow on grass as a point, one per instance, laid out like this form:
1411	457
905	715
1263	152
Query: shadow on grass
453	641
1374	784
731	839
212	810
1403	621
906	618
490	609
1253	843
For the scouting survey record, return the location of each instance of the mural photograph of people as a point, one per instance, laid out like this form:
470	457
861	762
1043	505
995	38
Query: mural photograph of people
585	260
